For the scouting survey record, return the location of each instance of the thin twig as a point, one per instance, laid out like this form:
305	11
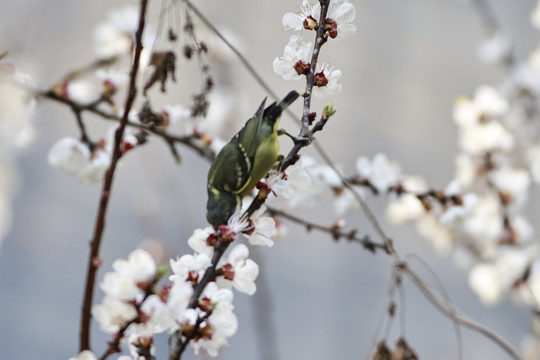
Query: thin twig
106	190
334	231
187	140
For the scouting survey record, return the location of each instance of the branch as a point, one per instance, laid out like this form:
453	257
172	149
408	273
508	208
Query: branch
93	259
305	132
332	230
187	140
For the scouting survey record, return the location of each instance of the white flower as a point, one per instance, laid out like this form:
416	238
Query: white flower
189	266
456	213
486	102
496	49
534	282
265	228
74	157
197	241
381	172
177	115
535	16
179	297
114	36
438	235
333	85
71	155
83	91
139	266
405	208
97	166
296	50
112	314
258	231
340	11
346	200
290	183
466	170
222	320
85	355
245	271
482	138
522	228
533	158
484	224
123	282
513	183
486	283
16	108
343	13
295	21
113	75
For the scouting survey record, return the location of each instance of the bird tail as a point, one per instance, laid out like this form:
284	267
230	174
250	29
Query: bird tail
274	111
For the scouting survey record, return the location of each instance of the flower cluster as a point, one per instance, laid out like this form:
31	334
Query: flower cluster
16	131
135	309
297	56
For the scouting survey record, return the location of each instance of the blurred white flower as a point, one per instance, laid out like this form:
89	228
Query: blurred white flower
74	157
16	108
454	214
113	75
533	158
481	138
535	16
405	208
534	282
484	224
439	236
486	102
485	281
84	355
381	172
71	155
466	170
83	91
114	36
496	49
512	183
346	200
523	230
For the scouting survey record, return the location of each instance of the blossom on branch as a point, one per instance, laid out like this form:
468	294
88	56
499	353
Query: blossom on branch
296	57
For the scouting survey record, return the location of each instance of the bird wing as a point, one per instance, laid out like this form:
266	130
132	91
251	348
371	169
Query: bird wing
231	169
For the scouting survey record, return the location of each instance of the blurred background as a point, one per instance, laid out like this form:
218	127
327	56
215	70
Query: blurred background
401	73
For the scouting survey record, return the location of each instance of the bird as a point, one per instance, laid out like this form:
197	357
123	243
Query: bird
244	161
